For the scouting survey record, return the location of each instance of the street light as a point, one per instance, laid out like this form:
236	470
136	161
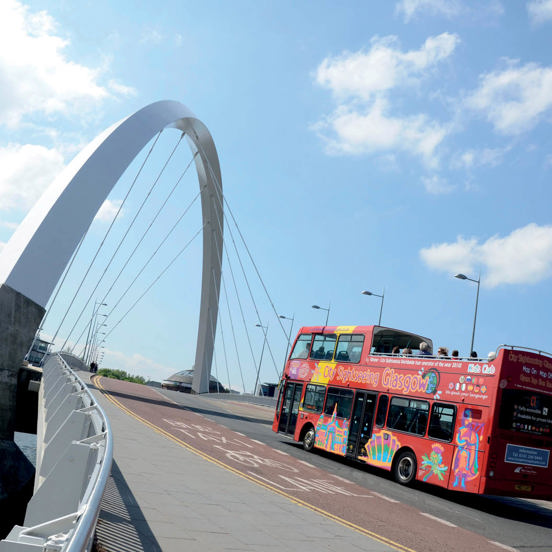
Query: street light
292	319
92	328
326	309
265	332
478	281
382	296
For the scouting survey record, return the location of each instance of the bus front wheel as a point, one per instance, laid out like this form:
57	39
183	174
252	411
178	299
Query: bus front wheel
404	469
308	439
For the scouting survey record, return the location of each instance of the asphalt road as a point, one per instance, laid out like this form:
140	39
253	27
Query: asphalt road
519	524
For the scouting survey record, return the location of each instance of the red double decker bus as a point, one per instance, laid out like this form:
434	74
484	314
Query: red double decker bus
473	425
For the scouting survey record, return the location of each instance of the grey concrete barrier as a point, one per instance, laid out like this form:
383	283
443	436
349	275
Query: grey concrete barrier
73	463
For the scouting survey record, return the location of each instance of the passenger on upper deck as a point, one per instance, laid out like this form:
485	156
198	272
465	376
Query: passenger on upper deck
473	354
305	352
396	350
407	351
442	352
454	353
424	349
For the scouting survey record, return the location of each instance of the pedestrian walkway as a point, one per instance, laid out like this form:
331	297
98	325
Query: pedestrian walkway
162	496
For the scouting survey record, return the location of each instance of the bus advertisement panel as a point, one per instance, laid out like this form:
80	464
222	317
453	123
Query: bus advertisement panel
471	425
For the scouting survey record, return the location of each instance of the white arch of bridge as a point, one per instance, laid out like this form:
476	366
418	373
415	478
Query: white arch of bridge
52	230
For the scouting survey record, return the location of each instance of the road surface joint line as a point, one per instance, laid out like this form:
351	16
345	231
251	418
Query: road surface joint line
298	501
443	521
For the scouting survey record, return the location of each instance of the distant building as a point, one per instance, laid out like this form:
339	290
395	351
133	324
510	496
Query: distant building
37	352
182	381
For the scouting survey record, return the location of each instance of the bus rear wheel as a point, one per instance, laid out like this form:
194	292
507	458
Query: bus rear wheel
404	469
308	439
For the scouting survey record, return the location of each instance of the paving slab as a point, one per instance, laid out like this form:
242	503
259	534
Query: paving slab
162	496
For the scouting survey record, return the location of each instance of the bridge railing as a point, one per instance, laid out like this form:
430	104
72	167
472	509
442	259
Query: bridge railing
74	455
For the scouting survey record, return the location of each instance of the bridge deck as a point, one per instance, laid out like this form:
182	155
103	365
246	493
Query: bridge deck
182	481
162	496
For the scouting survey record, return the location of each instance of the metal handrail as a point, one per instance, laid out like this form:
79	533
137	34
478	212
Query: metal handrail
521	348
87	523
74	531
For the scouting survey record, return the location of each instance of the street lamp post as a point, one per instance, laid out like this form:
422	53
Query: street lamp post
382	296
326	309
292	319
478	281
265	332
92	327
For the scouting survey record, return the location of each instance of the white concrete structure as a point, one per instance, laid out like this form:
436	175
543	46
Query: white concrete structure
53	228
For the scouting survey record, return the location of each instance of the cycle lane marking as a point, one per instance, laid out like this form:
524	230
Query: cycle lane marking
208	433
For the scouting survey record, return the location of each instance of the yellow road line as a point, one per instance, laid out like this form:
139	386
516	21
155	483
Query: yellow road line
298	501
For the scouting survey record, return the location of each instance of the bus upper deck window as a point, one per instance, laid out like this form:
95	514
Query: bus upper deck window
302	347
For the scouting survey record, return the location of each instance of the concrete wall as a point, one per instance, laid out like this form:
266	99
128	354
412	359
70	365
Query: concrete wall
19	320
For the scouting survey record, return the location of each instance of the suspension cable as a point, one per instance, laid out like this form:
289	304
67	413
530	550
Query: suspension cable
233	331
153	255
149	227
155	281
222	201
222	339
104	238
124	236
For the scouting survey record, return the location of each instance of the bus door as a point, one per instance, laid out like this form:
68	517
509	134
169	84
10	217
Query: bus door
360	427
290	407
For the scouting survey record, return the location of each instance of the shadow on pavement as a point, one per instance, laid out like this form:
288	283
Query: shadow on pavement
121	526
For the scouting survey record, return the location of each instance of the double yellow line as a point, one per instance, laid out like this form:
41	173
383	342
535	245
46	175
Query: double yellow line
298	501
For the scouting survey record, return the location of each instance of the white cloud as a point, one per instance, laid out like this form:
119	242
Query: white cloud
9	225
448	8
35	75
151	36
435	184
522	257
374	130
108	210
26	172
515	99
383	67
540	11
362	82
486	157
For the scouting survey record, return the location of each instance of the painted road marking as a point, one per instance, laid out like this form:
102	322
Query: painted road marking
443	521
213	460
504	547
308	485
305	463
341	478
281	452
385	497
258	442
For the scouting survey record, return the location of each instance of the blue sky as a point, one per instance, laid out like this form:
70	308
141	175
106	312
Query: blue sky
373	146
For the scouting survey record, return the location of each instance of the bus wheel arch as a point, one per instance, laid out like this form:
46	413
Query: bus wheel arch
308	437
405	466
